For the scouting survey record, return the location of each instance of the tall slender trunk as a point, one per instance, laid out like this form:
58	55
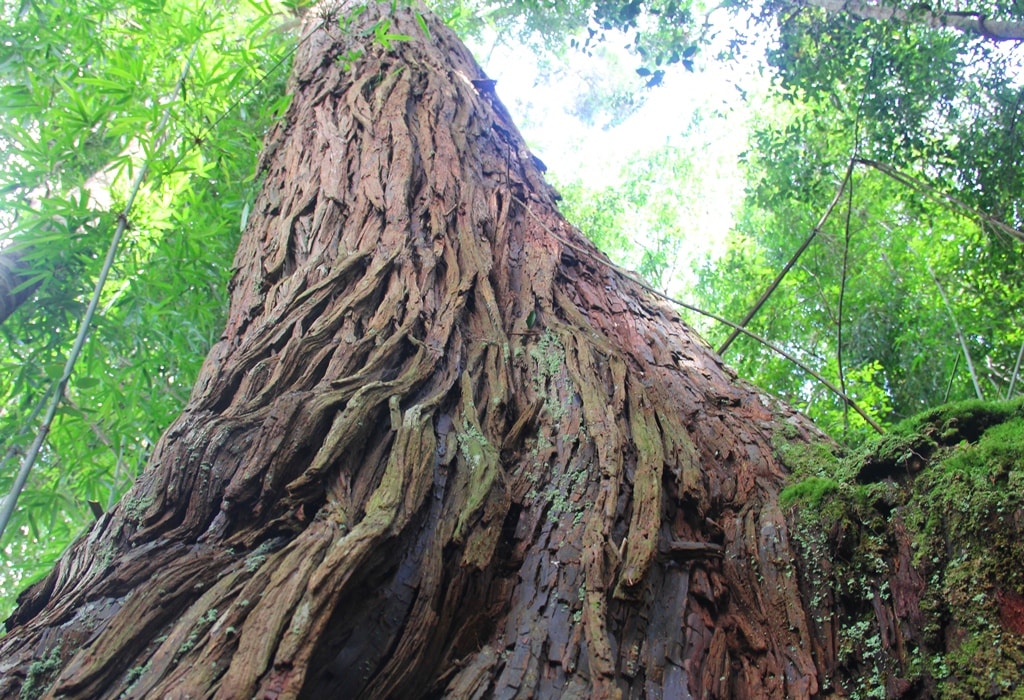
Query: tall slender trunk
441	448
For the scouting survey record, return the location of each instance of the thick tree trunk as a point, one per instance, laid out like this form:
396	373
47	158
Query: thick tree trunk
441	449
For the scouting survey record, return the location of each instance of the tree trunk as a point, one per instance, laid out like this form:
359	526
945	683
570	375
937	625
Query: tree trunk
442	448
12	292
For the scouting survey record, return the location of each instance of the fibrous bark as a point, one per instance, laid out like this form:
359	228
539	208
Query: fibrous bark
442	448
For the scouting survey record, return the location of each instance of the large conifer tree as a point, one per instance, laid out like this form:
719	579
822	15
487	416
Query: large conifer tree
443	448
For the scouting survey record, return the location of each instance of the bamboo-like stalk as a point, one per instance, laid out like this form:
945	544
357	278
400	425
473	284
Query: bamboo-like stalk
11	500
959	334
1016	372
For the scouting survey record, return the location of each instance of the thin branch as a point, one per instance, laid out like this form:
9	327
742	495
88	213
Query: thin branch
1016	372
7	507
738	328
952	376
959	334
842	297
625	274
949	200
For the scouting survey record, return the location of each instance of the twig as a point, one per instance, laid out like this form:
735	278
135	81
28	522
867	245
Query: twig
952	376
842	297
737	328
950	201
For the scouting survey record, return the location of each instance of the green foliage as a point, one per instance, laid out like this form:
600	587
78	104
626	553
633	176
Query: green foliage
908	99
83	91
642	221
660	32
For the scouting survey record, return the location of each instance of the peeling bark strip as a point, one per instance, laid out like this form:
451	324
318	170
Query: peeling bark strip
436	451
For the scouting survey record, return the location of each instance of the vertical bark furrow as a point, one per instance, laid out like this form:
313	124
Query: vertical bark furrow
645	519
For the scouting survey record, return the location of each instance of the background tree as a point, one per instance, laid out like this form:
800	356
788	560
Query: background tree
921	238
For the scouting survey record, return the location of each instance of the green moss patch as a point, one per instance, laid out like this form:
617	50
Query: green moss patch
809	491
912	548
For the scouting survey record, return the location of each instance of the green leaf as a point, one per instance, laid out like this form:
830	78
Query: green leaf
280	106
423	25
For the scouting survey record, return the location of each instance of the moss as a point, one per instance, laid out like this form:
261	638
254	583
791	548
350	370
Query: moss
480	469
133	676
808	492
896	455
964	420
254	561
948	486
201	625
806	459
135	508
40	674
549	355
985	665
998	453
481	460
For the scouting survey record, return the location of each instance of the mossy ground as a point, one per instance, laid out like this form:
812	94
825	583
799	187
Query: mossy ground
914	548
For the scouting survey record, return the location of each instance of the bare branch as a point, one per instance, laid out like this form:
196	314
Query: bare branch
967	22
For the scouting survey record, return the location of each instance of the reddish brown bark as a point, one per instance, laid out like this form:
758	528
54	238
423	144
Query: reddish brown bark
442	448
